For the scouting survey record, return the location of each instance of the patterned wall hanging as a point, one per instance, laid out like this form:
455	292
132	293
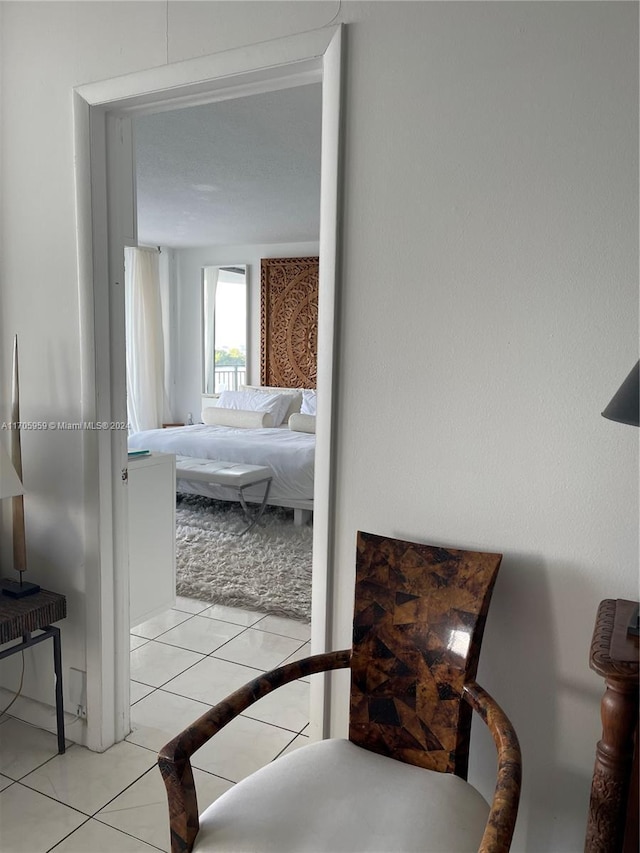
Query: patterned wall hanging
289	322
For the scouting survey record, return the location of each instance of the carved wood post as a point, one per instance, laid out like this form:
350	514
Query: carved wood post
612	656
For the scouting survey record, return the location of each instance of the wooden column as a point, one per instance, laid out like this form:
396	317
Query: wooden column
614	655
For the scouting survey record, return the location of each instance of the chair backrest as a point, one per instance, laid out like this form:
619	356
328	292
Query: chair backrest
419	618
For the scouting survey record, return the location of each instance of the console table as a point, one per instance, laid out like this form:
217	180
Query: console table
19	617
613	808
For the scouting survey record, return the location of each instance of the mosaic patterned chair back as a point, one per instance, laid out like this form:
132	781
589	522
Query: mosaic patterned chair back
419	618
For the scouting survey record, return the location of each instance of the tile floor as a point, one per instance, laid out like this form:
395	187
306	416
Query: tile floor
181	663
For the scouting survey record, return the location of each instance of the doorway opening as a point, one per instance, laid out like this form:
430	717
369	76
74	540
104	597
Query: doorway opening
220	188
106	224
225	189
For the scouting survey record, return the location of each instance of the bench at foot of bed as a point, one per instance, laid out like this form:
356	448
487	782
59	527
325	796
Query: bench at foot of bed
237	475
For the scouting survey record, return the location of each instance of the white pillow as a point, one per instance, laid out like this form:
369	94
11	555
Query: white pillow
308	402
217	416
302	423
294	395
256	401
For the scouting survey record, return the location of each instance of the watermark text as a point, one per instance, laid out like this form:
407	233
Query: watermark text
63	425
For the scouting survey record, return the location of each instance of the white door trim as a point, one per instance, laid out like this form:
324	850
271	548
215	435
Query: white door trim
97	109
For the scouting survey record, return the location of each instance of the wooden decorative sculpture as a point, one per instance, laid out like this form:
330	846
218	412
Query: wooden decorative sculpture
19	538
21	588
289	322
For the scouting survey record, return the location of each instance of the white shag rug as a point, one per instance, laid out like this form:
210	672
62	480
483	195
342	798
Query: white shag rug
267	569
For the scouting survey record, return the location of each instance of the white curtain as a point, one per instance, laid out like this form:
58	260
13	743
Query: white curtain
146	396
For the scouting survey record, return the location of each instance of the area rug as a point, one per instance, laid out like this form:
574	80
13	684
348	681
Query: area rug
268	569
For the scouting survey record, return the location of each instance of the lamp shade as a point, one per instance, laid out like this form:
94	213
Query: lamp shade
10	484
625	403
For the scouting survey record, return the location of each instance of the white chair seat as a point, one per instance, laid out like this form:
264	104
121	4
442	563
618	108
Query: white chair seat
335	797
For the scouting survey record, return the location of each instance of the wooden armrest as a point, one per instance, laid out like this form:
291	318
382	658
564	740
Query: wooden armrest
504	808
173	758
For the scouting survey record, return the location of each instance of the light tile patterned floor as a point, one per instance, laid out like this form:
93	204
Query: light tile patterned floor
181	663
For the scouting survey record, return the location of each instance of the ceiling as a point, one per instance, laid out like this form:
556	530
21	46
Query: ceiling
242	171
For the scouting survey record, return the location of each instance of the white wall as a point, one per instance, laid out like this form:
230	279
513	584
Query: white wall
489	309
187	391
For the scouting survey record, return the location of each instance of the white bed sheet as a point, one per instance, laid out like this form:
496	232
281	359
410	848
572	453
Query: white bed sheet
289	454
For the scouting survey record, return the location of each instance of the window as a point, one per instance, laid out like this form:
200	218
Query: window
224	314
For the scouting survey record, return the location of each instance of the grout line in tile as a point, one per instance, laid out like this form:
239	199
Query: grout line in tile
279	634
252	671
231	622
136	837
255	669
153	690
245	628
207	654
215	775
182	613
155	767
205	705
138	680
84	823
140	746
40	766
214	653
164	684
287	746
226	642
217	656
54	799
203	655
208	706
151	639
273	725
302	643
186	696
199	613
126	788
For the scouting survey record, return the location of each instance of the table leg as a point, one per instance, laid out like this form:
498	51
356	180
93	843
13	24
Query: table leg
614	755
253	521
57	666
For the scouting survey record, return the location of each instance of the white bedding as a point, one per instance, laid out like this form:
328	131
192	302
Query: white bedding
289	454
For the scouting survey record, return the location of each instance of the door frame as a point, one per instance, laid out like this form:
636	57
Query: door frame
105	203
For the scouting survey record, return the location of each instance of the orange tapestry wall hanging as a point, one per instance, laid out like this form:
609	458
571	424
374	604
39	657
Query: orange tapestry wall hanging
289	322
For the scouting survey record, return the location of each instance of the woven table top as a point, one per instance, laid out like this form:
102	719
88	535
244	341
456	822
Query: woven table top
19	616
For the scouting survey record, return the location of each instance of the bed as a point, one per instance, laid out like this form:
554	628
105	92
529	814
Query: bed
288	452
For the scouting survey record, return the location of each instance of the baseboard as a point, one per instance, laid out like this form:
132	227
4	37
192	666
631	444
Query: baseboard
43	716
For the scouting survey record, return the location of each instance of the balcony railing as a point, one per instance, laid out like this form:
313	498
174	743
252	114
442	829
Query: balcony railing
230	378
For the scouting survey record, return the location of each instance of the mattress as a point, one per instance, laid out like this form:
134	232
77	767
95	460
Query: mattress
289	454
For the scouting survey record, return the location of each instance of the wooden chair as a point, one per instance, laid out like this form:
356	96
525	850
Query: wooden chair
399	782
